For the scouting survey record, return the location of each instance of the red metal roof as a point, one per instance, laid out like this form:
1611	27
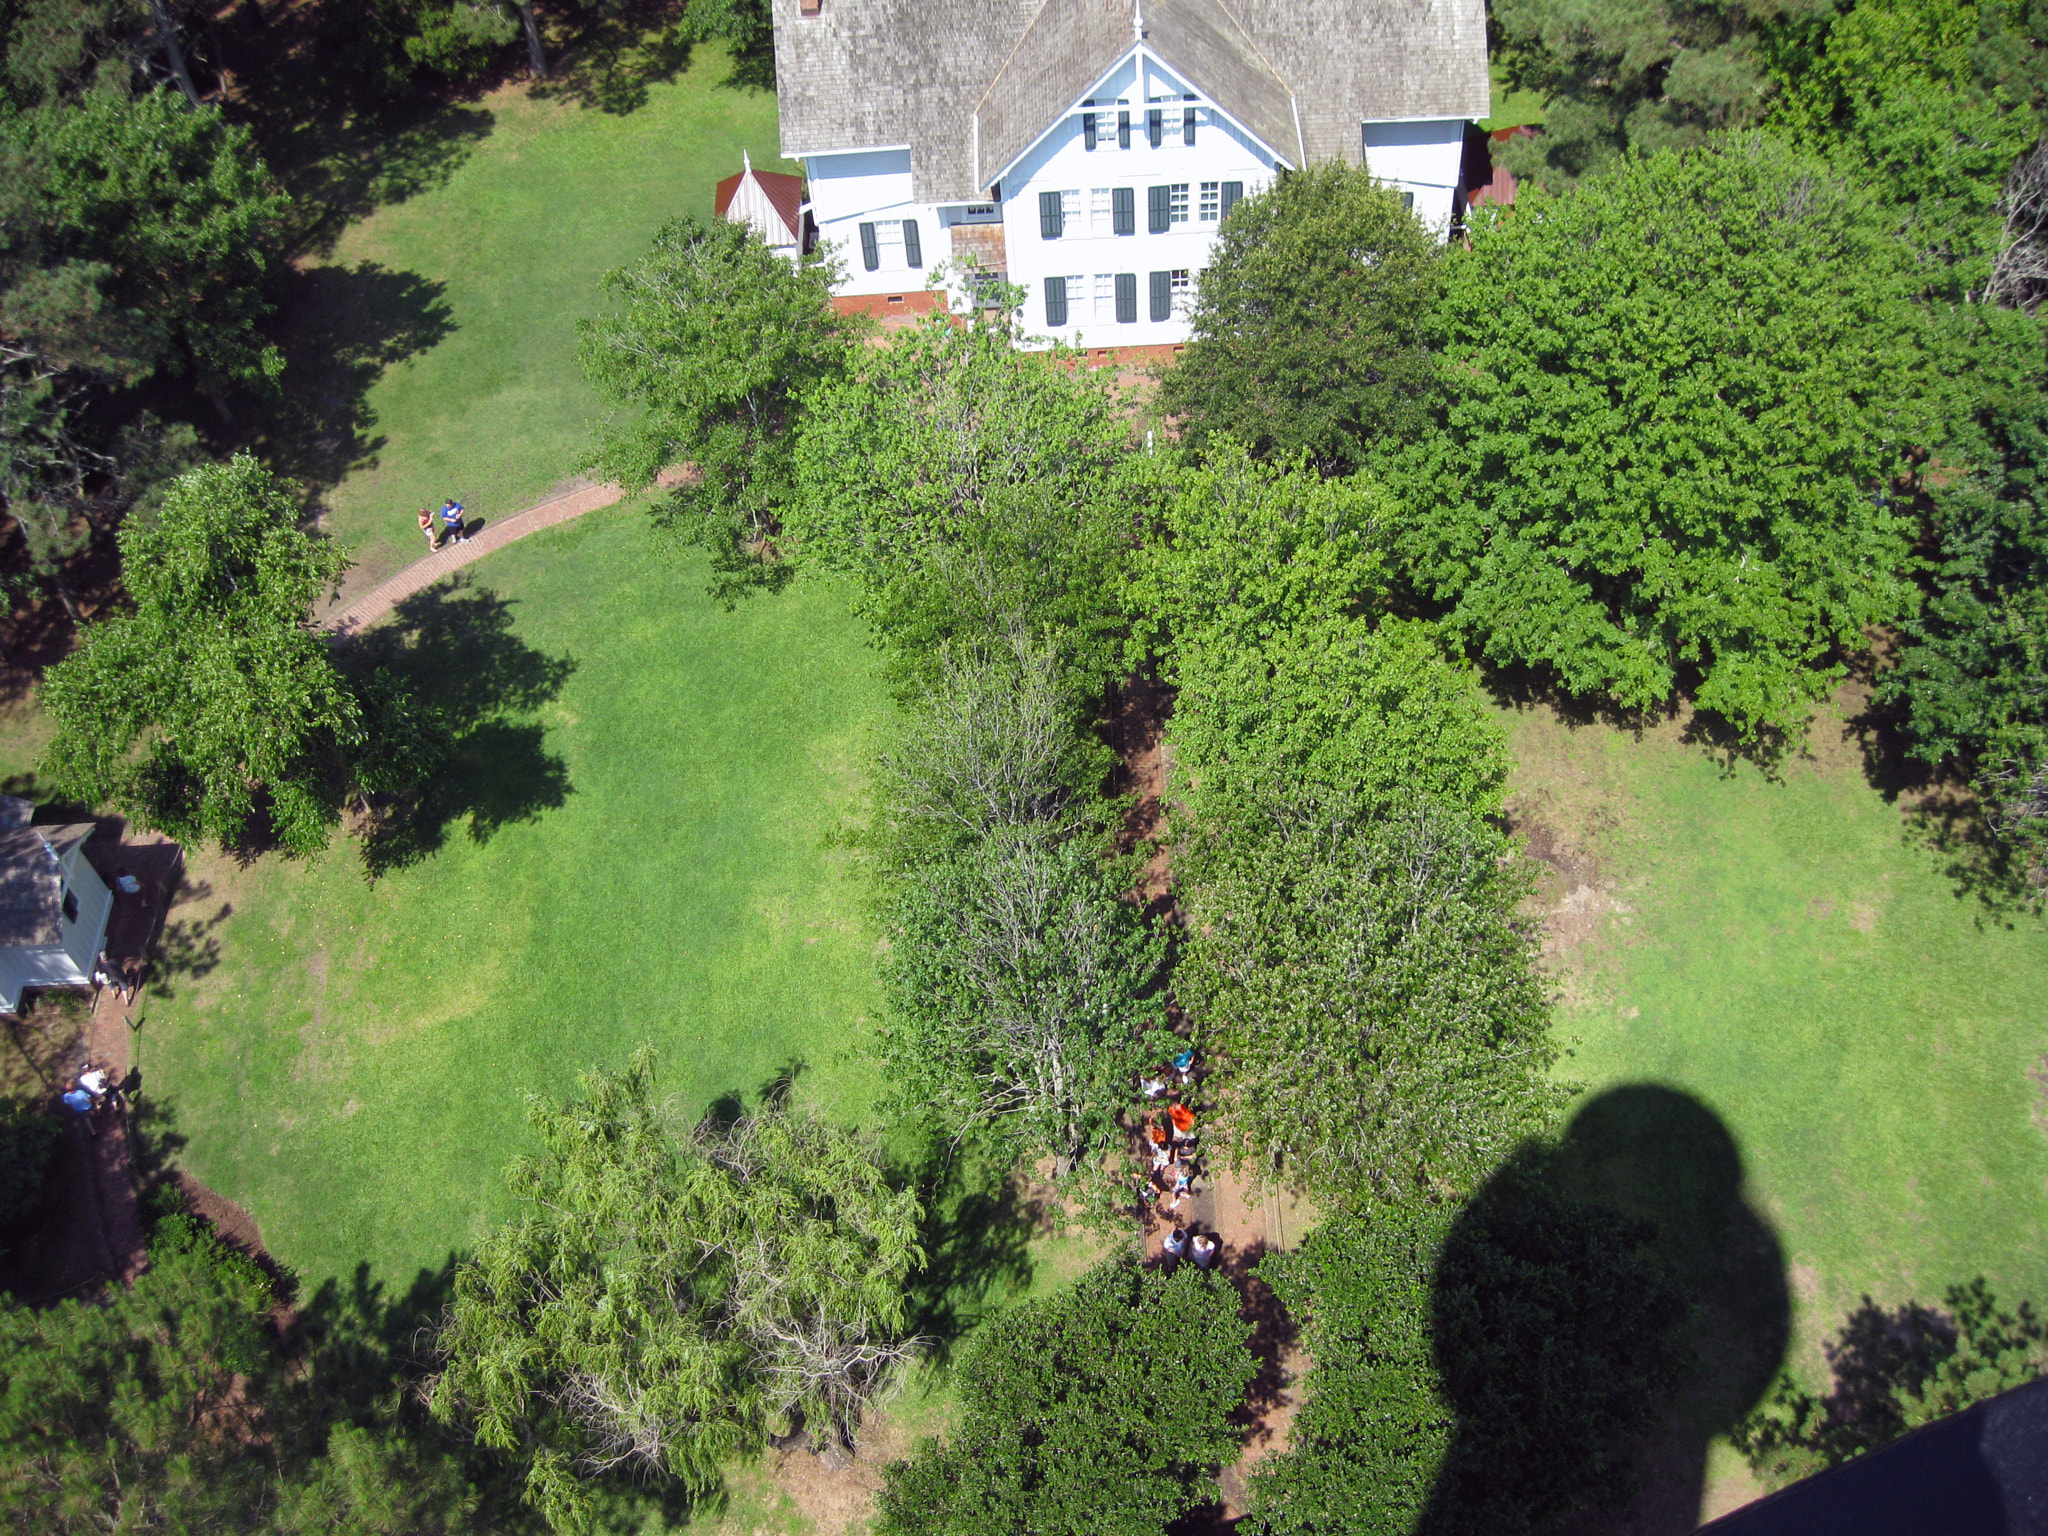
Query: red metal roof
785	194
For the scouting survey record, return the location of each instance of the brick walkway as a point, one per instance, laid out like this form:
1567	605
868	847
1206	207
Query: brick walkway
132	930
450	558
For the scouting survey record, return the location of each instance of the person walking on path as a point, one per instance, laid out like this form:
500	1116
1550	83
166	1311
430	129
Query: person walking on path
451	519
1204	1250
433	534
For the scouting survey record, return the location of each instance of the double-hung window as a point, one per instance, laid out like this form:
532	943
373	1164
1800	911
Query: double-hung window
890	244
1057	212
1181	281
1101	212
1212	201
1177	203
1105	298
1061	293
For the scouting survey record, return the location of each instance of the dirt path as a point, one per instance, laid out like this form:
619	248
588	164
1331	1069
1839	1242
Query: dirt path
450	558
1246	1223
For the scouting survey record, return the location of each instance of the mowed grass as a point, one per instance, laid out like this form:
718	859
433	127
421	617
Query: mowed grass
491	271
1790	954
350	1061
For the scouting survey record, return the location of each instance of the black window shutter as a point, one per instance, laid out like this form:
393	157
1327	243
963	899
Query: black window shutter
1232	192
1055	302
1051	222
1123	209
870	253
1087	130
1155	126
913	251
1162	295
1127	298
1187	126
1158	209
1123	130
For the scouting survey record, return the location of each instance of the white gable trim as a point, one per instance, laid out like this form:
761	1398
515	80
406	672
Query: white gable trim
1139	54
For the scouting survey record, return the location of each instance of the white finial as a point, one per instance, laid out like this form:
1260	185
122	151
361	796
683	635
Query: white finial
746	162
1138	21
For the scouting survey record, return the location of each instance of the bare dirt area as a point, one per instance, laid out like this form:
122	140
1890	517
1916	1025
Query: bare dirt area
1138	734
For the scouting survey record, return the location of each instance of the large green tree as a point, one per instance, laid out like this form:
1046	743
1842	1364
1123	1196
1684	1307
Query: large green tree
1024	996
1096	1411
1680	401
974	491
1932	101
1263	592
1310	326
214	691
170	1405
1366	979
715	343
1478	1368
146	232
668	1297
1645	75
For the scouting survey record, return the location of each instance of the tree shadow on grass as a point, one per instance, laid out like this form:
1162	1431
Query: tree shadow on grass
454	644
189	945
616	55
1616	1279
306	80
976	1236
344	327
1942	814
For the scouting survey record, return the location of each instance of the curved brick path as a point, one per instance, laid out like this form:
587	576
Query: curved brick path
421	574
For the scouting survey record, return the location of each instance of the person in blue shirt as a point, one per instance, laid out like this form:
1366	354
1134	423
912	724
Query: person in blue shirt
451	519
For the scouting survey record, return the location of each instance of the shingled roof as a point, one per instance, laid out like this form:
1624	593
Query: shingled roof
32	883
876	74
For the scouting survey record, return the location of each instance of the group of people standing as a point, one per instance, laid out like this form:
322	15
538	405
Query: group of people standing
88	1093
1170	1143
451	525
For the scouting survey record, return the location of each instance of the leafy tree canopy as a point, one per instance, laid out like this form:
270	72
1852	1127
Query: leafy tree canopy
1894	1371
169	1405
1260	588
1096	1412
1365	975
1311	323
1478	1368
138	233
1678	400
215	688
972	490
1024	995
669	1297
714	344
1933	100
1649	76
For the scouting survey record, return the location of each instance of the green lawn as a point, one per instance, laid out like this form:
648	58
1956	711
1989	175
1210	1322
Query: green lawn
1788	955
446	324
351	1071
1511	108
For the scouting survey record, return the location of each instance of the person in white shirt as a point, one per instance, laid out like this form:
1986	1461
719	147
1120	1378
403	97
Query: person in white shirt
1204	1250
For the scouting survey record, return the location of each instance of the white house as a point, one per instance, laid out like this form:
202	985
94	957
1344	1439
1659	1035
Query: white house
1086	149
53	906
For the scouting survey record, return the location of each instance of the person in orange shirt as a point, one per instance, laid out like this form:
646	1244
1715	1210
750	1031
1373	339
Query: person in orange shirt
1183	1120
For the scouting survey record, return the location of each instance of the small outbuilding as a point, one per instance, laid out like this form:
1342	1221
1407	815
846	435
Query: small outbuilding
53	905
770	202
